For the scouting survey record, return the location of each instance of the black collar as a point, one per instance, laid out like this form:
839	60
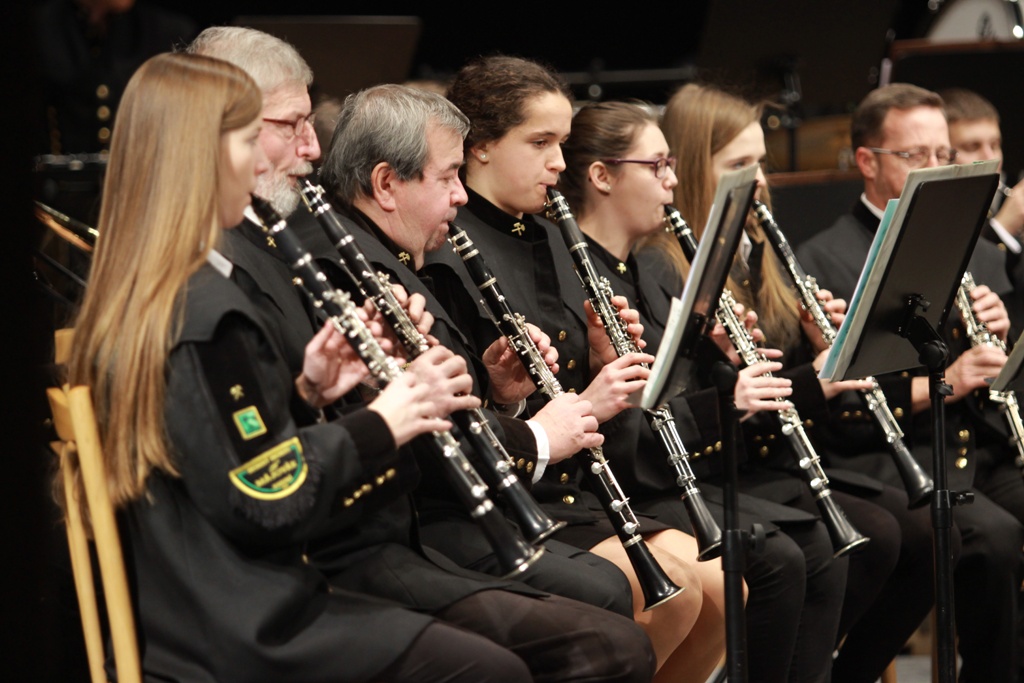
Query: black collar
525	228
364	221
864	215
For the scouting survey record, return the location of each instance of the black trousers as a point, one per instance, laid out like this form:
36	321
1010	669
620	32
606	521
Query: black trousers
791	581
987	576
498	637
987	582
562	570
878	627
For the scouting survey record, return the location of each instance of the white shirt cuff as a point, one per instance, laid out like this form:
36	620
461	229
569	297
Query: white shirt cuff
543	449
509	409
1004	235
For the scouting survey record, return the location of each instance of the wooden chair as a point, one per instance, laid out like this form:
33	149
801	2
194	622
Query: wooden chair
75	424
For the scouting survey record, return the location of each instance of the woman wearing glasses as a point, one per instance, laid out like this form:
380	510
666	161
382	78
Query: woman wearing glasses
887	592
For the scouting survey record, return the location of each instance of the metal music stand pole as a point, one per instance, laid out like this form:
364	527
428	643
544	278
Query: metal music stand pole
934	355
735	540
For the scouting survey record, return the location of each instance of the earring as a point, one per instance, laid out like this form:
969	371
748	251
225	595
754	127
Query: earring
607	188
483	156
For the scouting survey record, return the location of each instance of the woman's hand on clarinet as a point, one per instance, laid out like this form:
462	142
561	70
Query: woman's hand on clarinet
757	390
721	338
601	350
609	391
510	381
835	311
331	367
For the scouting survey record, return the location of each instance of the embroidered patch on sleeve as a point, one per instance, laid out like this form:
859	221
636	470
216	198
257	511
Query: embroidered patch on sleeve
249	423
273	474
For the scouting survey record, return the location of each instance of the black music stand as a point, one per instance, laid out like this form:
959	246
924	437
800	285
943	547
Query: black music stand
904	276
691	317
693	313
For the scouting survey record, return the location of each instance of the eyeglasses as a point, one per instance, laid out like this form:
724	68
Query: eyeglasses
293	129
919	156
659	165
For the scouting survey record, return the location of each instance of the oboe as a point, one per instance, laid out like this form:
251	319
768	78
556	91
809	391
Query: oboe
979	335
845	538
514	553
918	484
656	585
498	470
661	420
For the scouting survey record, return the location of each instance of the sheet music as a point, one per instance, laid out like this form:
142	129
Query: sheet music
671	370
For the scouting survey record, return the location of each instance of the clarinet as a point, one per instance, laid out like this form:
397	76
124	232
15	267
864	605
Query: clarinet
514	554
979	335
661	420
916	481
498	470
656	585
845	538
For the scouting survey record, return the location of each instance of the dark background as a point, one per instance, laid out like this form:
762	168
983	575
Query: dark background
654	36
833	47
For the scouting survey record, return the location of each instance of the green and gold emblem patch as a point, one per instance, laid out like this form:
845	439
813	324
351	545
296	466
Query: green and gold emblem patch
249	423
273	474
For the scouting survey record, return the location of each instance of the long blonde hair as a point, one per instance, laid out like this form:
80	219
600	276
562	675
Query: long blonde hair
158	221
699	121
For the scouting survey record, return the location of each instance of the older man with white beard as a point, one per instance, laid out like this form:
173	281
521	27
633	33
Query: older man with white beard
287	136
290	145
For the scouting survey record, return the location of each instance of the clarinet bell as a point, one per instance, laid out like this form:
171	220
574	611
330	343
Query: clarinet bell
655	584
705	529
845	538
918	484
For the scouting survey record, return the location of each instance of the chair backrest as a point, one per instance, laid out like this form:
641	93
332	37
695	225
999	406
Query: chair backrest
75	422
78	542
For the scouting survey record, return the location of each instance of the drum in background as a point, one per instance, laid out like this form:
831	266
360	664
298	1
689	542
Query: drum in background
969	20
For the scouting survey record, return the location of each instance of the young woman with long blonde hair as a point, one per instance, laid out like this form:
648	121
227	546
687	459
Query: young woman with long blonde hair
220	465
888	589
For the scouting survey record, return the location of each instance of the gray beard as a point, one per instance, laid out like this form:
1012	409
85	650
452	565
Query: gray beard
278	190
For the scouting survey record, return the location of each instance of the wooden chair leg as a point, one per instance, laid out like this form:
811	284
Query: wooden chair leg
889	675
81	566
108	541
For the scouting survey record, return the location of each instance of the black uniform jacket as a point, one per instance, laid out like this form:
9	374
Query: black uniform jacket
650	283
1014	265
260	268
534	269
973	426
217	555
